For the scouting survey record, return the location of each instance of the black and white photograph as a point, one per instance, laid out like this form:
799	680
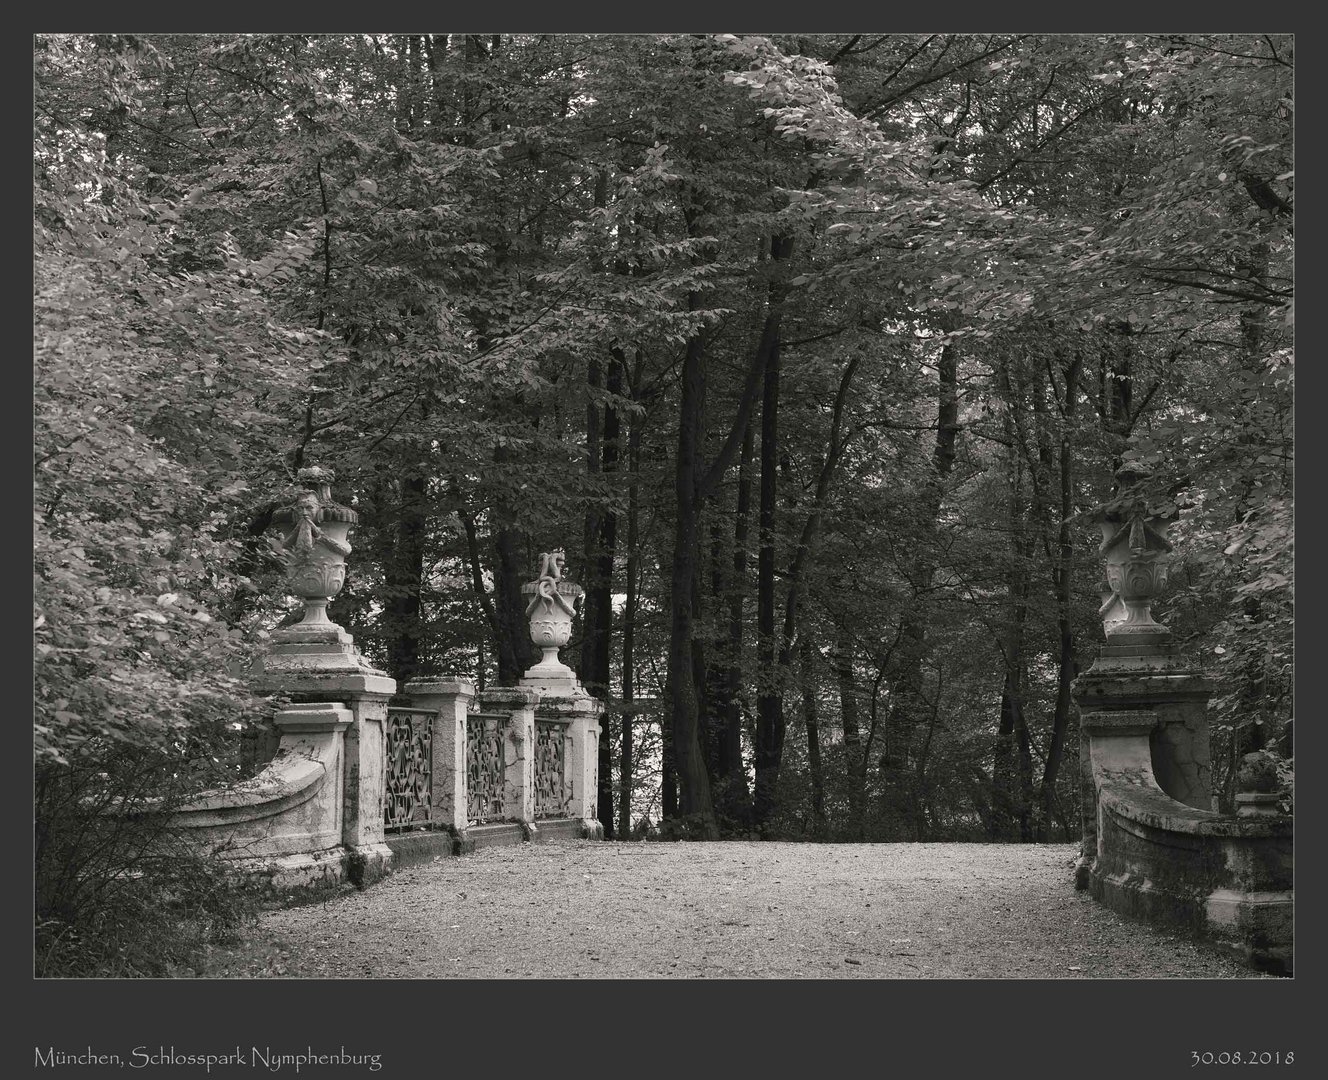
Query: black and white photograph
790	507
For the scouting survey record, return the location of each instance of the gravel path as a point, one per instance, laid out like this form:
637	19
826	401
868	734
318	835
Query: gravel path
725	910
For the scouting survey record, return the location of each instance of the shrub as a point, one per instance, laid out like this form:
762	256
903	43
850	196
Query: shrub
118	893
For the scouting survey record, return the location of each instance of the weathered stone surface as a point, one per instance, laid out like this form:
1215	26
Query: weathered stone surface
449	700
293	806
303	872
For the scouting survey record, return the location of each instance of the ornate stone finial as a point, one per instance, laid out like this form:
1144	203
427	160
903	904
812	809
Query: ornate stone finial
550	612
313	545
1136	549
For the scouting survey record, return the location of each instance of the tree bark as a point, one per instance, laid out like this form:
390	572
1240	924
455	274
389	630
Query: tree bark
684	706
736	798
769	697
516	652
603	594
1063	580
770	726
1012	772
820	827
855	759
405	579
629	613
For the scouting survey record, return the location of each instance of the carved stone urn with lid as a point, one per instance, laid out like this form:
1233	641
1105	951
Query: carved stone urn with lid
550	611
312	542
1136	551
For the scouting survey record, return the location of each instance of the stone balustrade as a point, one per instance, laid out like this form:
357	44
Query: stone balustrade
1153	846
440	766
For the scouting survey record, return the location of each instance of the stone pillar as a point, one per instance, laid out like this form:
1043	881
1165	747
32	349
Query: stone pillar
316	660
448	700
580	716
519	751
363	762
1139	674
562	698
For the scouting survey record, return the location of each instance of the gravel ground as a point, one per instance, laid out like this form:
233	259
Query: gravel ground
732	910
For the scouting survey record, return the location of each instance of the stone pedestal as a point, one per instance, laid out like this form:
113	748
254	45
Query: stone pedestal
567	702
1159	683
448	700
313	650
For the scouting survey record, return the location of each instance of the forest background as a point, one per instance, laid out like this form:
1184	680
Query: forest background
814	353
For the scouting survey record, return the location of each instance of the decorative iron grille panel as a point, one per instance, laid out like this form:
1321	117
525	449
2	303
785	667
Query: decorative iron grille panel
486	766
551	794
408	790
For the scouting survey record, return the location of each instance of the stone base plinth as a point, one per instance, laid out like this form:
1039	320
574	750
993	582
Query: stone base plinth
496	834
368	863
553	679
310	650
307	871
423	845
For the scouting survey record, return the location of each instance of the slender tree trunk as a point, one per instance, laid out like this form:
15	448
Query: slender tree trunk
769	747
737	800
490	611
685	745
405	579
820	826
855	759
608	542
769	695
1064	574
1012	774
629	617
589	672
516	648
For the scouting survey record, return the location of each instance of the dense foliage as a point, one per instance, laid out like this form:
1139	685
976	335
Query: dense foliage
814	352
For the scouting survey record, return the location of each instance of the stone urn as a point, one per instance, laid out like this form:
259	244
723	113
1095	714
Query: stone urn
312	542
1136	551
550	611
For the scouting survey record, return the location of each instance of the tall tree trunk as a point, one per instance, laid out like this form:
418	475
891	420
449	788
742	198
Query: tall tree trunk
855	759
597	611
405	579
684	706
769	695
1012	772
1064	568
516	652
603	596
629	613
589	672
736	798
481	594
820	827
717	666
769	747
